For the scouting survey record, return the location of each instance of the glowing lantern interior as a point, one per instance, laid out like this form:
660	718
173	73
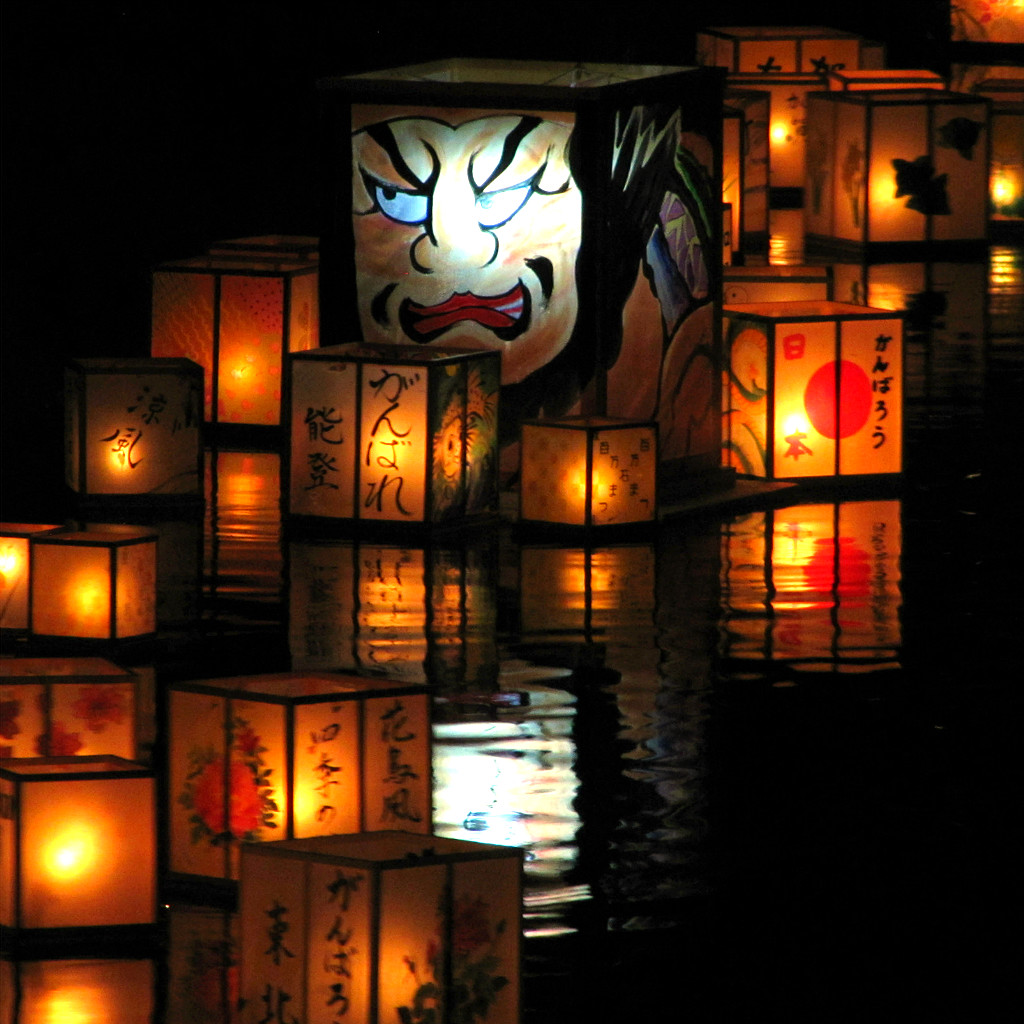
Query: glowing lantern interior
15	553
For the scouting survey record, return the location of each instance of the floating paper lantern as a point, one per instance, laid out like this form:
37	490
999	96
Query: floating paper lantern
79	842
395	434
899	168
15	553
256	758
133	427
745	169
814	389
589	471
381	927
97	584
238	319
776	283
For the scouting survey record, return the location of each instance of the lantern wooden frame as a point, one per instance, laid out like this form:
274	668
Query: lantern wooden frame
250	756
15	573
392	910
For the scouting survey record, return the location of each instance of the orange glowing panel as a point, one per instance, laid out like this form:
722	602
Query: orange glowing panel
97	584
589	471
78	838
386	925
814	389
238	319
258	758
15	552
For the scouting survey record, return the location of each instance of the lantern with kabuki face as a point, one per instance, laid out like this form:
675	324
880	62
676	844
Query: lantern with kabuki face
381	927
133	427
256	758
238	319
589	471
815	389
745	169
15	552
78	836
96	584
393	434
896	169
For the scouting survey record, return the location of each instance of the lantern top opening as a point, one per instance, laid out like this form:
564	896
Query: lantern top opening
901	97
293	685
100	534
357	351
42	768
808	309
266	264
47	668
26	529
589	422
780	32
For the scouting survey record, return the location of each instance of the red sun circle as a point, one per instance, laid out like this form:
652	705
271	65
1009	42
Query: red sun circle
855	397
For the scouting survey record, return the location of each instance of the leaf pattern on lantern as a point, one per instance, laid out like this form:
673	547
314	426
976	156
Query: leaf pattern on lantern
961	134
918	180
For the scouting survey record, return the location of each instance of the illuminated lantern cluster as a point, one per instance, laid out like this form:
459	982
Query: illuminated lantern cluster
258	758
133	427
381	927
814	389
393	433
238	319
78	836
15	556
589	471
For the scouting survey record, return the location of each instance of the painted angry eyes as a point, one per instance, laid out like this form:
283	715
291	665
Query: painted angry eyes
492	208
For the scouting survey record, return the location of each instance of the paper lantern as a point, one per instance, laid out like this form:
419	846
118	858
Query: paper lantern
1006	163
589	471
815	389
842	80
564	214
78	836
15	553
133	427
393	434
745	169
898	169
776	283
97	584
202	964
238	319
381	927
256	758
65	706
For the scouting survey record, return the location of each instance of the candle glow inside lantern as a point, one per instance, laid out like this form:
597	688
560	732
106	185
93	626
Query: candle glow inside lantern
238	319
78	837
815	389
96	584
381	927
896	168
15	553
133	427
745	169
589	471
68	706
387	433
257	758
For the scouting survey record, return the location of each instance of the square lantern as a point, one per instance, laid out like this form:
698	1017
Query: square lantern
566	215
255	758
78	836
15	551
589	471
68	706
1006	163
899	169
238	319
745	169
815	389
133	427
96	584
776	283
393	434
381	927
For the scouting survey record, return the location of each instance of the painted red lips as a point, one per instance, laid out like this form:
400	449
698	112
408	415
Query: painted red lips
498	312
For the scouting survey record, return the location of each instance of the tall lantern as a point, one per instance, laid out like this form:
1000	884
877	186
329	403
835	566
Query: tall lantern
895	169
815	389
78	836
96	584
565	215
133	427
255	758
1006	167
381	927
745	169
15	554
238	319
393	434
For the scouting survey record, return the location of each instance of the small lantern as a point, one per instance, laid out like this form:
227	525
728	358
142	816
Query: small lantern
68	706
133	427
15	551
97	584
843	80
745	169
1006	165
396	434
896	168
79	842
236	318
815	389
381	927
589	471
776	283
255	758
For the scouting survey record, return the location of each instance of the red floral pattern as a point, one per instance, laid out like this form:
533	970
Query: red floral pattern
246	805
98	705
